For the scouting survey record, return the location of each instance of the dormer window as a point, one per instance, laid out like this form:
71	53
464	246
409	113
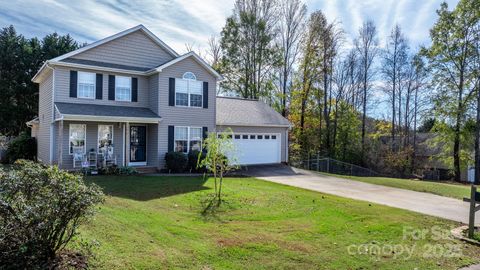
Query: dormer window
86	85
188	91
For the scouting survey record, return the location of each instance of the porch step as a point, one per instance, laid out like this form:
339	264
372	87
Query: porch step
145	170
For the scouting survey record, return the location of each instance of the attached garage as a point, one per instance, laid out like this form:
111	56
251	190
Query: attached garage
260	134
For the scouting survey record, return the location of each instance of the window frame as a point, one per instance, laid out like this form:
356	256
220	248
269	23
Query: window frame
188	138
189	93
98	135
70	149
129	84
79	82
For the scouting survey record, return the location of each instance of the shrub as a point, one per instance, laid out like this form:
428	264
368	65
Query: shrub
116	170
40	210
193	161
22	147
176	161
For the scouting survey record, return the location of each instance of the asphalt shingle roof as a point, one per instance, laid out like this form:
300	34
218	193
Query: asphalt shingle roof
103	64
104	110
245	112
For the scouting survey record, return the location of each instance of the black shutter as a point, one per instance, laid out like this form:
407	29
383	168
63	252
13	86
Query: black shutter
171	91
99	86
73	83
205	95
171	130
134	89
111	87
205	132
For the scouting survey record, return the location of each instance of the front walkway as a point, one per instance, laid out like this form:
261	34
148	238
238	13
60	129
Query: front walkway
420	202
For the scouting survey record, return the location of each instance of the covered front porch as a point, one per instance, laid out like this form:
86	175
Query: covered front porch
95	141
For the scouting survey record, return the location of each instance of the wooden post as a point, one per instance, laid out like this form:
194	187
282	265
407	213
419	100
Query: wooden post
471	218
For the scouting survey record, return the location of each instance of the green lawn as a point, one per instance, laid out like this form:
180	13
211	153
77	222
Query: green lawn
156	223
458	191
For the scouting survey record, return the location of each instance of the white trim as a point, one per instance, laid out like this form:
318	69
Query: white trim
129	84
52	120
188	137
96	68
252	125
286	146
180	58
94	84
134	164
124	144
278	139
188	92
98	118
34	121
115	36
84	139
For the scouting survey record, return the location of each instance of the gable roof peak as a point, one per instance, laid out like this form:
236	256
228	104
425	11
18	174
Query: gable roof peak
123	33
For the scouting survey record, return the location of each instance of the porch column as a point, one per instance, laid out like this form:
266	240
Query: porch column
60	155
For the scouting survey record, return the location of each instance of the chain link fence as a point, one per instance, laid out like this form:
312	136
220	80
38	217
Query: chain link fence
329	165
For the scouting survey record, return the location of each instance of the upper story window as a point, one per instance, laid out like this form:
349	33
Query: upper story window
123	88
188	91
189	76
86	85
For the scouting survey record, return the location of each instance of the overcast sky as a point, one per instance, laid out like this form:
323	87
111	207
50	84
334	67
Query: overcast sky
192	21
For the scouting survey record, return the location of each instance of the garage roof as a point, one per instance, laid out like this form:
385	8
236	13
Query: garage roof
247	112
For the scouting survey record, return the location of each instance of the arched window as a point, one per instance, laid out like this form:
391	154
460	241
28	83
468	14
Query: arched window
189	76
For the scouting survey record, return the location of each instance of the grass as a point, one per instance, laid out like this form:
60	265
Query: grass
156	223
452	190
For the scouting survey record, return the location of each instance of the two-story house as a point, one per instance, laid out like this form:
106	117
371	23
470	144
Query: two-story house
130	96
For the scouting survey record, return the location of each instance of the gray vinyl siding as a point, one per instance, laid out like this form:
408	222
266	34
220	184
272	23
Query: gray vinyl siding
152	146
91	141
135	49
153	93
62	89
183	116
45	112
281	130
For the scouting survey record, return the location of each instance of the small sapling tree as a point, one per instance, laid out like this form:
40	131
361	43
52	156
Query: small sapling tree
219	158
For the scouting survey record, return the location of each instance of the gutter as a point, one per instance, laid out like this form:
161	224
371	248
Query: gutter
97	118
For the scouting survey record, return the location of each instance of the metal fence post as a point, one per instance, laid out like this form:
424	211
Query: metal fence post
318	163
471	218
328	165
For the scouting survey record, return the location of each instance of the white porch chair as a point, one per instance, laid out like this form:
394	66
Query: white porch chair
78	156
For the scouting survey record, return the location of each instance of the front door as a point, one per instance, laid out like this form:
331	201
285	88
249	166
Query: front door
138	143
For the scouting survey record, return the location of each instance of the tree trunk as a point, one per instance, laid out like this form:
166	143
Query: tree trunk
335	120
456	144
325	102
414	152
364	116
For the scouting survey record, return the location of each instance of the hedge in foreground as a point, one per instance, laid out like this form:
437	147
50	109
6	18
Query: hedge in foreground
40	210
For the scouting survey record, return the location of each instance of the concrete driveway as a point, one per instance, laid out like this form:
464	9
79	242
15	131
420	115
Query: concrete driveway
420	202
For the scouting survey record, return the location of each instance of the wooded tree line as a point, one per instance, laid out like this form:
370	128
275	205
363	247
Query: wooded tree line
20	59
307	69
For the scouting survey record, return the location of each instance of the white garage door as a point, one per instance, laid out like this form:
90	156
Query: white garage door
257	148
